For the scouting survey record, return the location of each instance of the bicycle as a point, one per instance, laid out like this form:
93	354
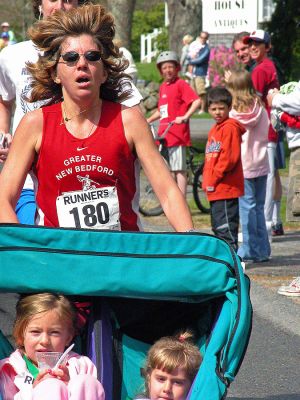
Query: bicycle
149	205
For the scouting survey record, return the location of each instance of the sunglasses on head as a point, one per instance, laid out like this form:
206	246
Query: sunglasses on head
73	56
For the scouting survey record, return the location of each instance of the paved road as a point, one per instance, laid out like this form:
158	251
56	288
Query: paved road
199	127
270	369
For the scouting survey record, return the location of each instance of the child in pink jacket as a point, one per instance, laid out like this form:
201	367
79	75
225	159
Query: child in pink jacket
247	108
46	322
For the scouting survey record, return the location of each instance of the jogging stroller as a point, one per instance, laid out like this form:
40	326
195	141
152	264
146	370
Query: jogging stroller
144	286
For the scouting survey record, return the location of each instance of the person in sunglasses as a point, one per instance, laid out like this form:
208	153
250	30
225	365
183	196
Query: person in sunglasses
15	89
83	148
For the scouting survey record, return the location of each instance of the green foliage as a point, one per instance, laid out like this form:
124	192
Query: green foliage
148	72
286	38
162	41
145	22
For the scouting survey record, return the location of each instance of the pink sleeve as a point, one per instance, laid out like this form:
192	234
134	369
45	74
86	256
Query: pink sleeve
7	387
81	365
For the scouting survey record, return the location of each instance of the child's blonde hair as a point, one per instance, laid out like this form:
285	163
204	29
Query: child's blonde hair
242	90
31	305
171	352
187	39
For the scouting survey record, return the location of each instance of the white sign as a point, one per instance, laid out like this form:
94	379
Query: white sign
231	16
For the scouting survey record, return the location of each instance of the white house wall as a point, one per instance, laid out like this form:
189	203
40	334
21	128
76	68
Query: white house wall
229	16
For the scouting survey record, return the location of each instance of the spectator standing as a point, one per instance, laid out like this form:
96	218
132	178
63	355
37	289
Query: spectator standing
194	49
264	78
247	108
289	105
177	102
5	28
223	179
242	50
200	64
186	41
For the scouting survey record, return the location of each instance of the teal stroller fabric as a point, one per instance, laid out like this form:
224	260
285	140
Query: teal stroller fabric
198	277
5	346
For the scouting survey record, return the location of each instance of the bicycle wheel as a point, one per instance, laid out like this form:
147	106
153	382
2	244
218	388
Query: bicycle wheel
149	204
199	194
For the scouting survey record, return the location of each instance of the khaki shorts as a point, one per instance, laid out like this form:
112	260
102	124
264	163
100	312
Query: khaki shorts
199	85
177	158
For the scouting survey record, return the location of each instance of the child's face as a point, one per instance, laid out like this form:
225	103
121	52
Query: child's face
219	112
46	332
258	51
169	386
169	71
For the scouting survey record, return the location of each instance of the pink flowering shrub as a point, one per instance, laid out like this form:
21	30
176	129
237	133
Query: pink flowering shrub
221	59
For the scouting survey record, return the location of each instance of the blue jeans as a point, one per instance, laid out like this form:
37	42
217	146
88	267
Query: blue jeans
256	244
26	207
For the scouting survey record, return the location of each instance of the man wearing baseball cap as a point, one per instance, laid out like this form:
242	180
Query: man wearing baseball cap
264	78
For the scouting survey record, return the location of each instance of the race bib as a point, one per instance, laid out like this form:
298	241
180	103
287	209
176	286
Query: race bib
91	209
163	111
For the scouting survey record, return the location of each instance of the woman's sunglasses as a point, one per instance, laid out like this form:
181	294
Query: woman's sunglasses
73	56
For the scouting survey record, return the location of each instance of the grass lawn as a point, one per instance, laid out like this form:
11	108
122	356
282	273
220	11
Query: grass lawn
148	72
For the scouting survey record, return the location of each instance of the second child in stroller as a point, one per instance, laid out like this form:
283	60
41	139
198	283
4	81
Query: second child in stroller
171	366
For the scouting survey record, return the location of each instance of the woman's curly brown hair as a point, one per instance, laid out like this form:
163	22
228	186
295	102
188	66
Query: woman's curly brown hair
48	36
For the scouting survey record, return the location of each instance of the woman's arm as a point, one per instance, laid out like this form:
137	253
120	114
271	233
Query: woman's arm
23	149
172	200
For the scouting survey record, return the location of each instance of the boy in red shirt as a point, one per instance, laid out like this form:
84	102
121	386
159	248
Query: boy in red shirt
223	178
177	102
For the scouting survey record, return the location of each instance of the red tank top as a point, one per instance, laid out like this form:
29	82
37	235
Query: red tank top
87	183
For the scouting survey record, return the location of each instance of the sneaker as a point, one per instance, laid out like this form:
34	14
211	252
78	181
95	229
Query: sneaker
292	290
277	230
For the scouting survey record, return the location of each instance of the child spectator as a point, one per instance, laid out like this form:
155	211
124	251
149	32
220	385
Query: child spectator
223	178
186	40
247	108
286	113
47	322
171	366
177	102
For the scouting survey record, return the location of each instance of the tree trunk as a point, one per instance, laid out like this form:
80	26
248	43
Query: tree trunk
185	17
122	10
